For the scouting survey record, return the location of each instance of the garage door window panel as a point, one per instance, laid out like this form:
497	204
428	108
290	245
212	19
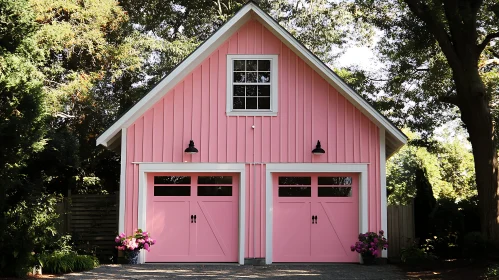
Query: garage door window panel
214	190
334	186
218	180
172	180
295	187
172	191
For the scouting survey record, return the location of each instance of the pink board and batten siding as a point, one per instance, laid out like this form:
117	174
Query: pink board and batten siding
309	110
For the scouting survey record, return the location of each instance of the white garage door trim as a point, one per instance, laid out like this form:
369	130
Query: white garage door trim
360	168
145	168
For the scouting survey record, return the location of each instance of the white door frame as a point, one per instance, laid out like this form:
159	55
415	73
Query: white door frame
360	168
146	167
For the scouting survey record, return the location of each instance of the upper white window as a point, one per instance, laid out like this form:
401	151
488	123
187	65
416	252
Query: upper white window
252	85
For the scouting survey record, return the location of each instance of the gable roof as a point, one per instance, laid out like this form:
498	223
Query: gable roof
395	138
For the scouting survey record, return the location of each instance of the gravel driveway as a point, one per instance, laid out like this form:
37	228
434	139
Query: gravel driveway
276	271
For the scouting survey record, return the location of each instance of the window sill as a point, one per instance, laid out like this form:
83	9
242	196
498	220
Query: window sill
251	114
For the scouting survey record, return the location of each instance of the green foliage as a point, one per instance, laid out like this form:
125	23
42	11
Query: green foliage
63	262
327	28
26	215
474	245
447	160
424	204
93	58
414	254
30	231
452	230
416	69
492	272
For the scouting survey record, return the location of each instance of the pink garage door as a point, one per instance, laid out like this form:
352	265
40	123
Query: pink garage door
316	217
194	217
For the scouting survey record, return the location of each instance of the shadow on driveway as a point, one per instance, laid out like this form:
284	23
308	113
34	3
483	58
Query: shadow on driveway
276	271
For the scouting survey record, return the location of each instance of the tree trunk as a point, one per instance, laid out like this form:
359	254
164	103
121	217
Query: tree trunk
476	115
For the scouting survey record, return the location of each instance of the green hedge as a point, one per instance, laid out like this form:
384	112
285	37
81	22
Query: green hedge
59	262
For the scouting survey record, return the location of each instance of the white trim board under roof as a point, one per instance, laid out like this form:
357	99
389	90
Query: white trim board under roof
395	138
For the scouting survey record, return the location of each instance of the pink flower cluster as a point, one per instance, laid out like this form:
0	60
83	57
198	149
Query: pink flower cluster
139	240
370	243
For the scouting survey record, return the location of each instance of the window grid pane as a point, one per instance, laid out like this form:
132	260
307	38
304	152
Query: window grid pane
254	75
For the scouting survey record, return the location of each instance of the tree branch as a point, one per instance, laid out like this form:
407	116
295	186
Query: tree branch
486	41
451	99
437	28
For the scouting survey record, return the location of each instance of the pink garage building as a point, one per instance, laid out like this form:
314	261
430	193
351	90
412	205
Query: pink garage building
256	185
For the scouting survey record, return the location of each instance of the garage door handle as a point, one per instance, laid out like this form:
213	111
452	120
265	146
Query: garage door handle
314	219
192	219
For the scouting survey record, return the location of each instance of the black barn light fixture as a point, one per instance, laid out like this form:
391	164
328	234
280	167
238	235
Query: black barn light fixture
191	149
318	149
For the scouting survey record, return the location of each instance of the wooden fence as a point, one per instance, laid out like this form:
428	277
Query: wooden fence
92	220
400	229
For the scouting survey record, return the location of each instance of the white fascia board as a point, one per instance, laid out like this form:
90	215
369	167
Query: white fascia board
328	74
179	73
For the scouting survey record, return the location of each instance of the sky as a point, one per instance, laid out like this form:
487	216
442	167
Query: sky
363	57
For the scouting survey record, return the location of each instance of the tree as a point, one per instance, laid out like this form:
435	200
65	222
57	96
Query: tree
424	205
447	164
26	215
440	56
93	59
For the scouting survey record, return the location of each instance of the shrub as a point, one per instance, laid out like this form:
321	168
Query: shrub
414	254
61	262
27	229
492	272
474	245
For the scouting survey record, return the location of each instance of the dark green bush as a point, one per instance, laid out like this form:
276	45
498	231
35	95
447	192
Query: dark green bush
27	229
414	254
62	262
474	245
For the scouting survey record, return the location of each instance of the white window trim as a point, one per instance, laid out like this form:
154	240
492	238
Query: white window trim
274	70
360	169
150	167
